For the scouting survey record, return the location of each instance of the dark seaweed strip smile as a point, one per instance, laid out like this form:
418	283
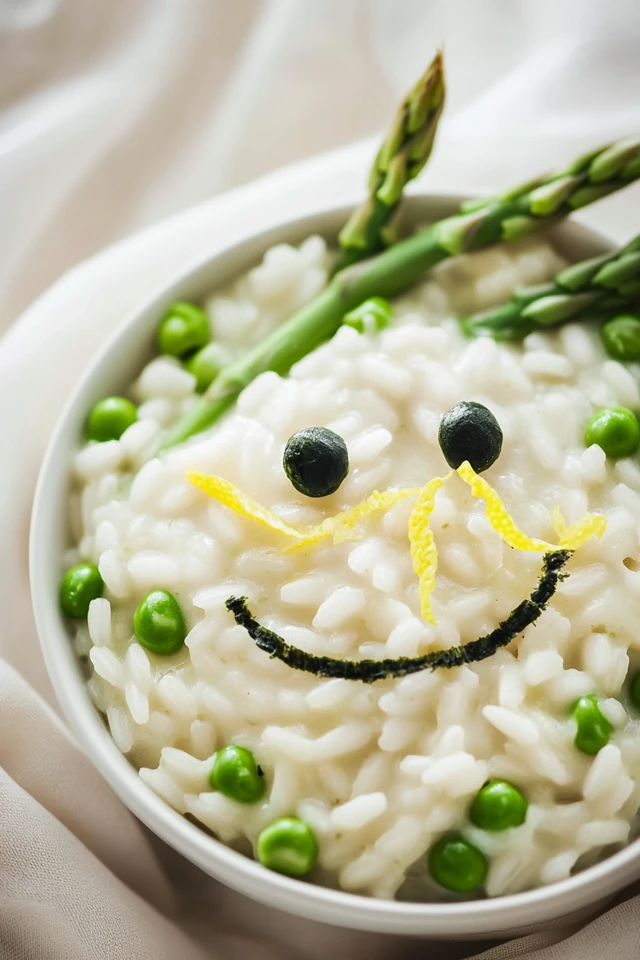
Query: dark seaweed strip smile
368	671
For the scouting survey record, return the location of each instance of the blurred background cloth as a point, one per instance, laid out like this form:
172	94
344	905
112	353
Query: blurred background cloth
115	116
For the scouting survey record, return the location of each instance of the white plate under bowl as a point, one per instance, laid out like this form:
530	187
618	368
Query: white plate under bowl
115	366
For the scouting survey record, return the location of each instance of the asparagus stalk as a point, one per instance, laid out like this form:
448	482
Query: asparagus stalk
594	289
404	152
502	218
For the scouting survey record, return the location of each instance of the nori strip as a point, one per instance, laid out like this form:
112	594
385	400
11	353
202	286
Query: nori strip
368	671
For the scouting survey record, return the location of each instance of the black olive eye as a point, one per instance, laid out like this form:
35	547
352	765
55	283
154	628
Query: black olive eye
316	461
469	431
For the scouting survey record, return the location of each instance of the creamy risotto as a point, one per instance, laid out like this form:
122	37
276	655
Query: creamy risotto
372	780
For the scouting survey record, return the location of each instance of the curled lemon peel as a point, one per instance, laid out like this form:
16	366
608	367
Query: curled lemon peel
498	515
341	528
592	524
344	526
559	523
231	496
424	553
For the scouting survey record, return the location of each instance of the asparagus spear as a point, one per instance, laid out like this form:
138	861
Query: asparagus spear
594	289
502	218
404	152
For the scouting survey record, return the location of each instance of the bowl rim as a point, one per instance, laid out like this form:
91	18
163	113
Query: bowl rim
485	917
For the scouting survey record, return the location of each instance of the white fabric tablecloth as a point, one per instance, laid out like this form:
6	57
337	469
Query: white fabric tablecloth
115	116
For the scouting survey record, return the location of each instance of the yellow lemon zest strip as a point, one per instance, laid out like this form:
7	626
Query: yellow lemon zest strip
559	523
498	515
591	525
342	527
230	496
424	553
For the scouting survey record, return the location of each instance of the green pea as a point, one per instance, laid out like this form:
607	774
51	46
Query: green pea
184	328
110	418
621	337
205	365
593	730
615	429
80	585
289	846
236	774
498	806
634	691
158	623
371	315
456	864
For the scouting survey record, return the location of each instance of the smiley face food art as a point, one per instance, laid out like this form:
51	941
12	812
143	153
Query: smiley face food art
469	430
355	563
377	624
359	592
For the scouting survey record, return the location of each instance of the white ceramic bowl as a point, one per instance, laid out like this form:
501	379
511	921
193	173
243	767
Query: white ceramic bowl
113	369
